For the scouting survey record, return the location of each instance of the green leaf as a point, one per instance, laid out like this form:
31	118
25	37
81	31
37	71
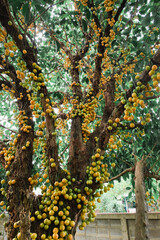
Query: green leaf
146	20
16	4
41	9
97	2
84	24
143	9
130	195
85	80
156	20
26	12
88	14
126	31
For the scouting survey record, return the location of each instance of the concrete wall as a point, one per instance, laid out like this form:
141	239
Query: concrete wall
118	227
2	232
112	227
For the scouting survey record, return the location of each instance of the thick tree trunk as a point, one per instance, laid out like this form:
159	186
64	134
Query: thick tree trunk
141	225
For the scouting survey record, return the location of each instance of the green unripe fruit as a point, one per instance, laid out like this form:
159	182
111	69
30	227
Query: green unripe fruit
109	128
147	68
46	227
8	208
36	213
138	88
130	85
2	215
123	101
139	83
41	225
39	217
8	173
9	23
114	124
41	95
110	121
56	222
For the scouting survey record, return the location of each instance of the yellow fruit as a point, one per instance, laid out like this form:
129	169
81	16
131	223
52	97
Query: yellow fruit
69	237
113	164
20	37
19	236
155	84
24	52
151	73
45	175
55	236
154	67
2	181
132	125
98	150
1	203
11	54
60	213
32	219
7	52
117	120
33	235
43	236
97	155
13	181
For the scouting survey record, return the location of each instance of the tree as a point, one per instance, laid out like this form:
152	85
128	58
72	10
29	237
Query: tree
71	80
142	155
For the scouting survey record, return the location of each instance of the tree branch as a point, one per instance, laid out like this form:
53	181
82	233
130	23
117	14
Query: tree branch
150	98
101	132
5	82
101	49
152	175
30	58
8	129
5	17
64	150
121	174
2	145
67	51
2	70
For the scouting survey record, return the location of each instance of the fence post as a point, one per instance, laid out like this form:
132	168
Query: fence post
124	228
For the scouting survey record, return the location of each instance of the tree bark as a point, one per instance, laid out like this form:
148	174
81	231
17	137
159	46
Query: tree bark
141	224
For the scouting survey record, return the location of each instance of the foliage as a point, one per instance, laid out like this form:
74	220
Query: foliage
77	80
112	201
145	145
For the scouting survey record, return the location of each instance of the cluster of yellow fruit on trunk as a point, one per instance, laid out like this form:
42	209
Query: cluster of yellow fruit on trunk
57	200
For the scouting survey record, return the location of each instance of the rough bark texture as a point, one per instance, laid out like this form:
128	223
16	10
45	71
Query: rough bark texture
20	198
142	232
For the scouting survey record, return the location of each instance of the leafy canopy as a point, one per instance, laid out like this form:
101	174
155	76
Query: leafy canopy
75	79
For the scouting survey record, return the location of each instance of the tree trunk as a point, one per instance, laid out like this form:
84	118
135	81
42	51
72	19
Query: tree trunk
141	225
